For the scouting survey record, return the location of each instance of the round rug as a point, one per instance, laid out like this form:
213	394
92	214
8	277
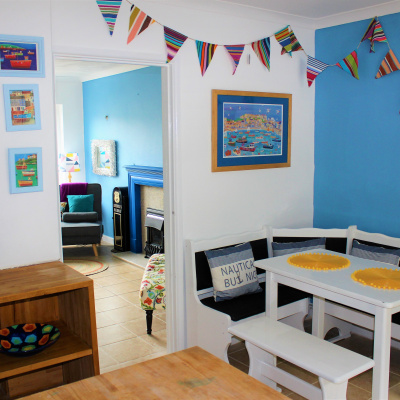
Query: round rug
86	267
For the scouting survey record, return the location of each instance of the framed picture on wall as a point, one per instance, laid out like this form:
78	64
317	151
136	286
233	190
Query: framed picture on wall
104	158
22	56
250	130
25	170
22	107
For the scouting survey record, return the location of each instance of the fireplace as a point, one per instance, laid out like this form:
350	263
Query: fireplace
139	176
155	232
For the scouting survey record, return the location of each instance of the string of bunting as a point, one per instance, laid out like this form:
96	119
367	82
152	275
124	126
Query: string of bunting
139	21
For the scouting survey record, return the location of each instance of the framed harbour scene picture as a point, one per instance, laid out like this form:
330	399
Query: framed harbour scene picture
25	169
21	56
22	107
250	130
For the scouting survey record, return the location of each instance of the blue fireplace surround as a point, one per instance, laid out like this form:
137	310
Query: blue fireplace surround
139	176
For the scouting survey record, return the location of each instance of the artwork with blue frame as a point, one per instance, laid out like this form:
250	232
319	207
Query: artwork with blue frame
25	169
22	56
22	107
250	130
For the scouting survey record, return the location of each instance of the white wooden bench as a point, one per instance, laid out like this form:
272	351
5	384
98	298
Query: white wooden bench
267	339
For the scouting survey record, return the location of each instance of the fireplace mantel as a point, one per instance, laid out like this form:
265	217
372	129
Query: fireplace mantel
140	176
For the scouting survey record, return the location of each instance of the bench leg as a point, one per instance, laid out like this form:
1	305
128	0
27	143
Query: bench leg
258	357
333	391
94	247
149	320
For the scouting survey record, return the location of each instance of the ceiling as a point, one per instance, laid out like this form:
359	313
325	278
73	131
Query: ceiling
309	8
89	70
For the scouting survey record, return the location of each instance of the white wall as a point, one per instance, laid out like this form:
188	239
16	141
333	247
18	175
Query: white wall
30	221
208	204
69	94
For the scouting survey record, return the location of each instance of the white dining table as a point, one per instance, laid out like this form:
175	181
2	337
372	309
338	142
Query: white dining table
338	286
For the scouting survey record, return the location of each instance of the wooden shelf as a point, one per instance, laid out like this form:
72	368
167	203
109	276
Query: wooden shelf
68	347
56	294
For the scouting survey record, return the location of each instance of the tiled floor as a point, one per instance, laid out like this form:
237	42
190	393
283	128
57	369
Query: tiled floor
121	323
359	388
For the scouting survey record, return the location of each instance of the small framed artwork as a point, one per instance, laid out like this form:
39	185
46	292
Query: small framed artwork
104	158
25	170
22	107
250	130
21	56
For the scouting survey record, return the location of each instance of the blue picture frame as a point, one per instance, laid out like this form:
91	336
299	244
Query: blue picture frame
22	56
25	169
250	130
22	107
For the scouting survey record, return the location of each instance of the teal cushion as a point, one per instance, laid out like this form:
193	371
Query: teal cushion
80	203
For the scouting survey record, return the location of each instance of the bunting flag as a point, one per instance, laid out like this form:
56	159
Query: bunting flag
374	33
295	45
263	50
389	64
205	52
235	51
283	38
350	64
174	41
314	68
109	9
138	22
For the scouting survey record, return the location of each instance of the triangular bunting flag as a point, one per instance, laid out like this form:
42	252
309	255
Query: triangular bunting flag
296	46
389	64
368	33
374	33
350	64
263	50
174	41
138	22
109	9
205	52
235	51
283	38
314	68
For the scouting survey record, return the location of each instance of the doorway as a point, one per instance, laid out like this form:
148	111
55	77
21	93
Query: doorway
115	270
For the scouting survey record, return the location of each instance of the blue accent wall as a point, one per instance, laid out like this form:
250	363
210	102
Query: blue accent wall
357	133
132	102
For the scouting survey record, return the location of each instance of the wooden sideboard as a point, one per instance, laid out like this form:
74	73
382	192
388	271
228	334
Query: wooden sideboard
56	294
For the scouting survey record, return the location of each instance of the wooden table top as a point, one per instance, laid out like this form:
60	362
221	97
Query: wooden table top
188	374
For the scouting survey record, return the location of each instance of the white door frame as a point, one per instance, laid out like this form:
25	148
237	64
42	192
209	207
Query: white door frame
176	332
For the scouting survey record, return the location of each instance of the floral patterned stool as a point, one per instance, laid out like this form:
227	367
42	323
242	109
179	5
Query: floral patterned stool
152	288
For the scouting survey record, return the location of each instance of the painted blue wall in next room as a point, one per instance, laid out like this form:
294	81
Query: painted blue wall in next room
132	102
357	133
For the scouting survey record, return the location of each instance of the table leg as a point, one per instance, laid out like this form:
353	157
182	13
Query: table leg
318	316
271	296
382	338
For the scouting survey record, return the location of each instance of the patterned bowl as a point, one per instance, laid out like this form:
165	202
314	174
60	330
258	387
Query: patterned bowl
27	339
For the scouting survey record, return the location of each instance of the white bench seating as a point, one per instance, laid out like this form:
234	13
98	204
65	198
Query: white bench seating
267	339
208	321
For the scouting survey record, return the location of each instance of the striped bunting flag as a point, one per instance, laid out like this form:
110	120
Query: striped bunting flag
205	52
263	50
283	38
314	68
350	64
389	64
174	41
138	22
235	51
295	44
374	33
109	9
